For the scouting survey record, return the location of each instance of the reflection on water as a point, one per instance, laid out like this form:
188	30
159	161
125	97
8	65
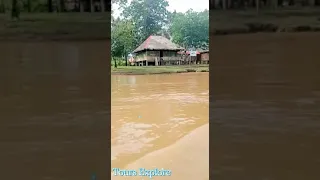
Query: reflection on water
154	111
53	110
266	106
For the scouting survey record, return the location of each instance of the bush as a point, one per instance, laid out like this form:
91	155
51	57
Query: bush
120	61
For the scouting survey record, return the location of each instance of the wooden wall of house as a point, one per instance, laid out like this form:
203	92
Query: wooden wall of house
151	55
204	56
147	56
140	56
171	56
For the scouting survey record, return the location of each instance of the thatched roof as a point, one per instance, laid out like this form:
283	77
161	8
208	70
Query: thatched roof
157	43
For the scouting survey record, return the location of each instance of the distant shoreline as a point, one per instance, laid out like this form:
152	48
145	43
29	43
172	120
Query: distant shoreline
69	26
149	70
281	20
151	73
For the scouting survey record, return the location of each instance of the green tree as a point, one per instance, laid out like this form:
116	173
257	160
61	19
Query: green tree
119	2
149	16
122	37
191	29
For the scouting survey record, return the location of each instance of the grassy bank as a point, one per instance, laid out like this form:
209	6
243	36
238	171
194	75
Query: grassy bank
268	20
139	70
56	26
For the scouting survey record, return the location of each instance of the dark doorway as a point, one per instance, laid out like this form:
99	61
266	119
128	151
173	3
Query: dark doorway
161	58
198	59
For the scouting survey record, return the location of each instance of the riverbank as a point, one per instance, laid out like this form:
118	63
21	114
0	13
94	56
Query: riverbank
144	70
279	20
187	159
56	26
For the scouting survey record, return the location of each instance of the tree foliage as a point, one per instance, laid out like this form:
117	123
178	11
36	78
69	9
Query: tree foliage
191	29
149	16
122	37
119	2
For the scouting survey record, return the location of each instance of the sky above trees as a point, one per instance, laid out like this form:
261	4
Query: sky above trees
178	5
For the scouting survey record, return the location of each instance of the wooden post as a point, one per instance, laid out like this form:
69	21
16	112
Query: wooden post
15	10
91	6
50	7
224	4
311	3
146	56
275	4
81	6
229	2
102	6
62	6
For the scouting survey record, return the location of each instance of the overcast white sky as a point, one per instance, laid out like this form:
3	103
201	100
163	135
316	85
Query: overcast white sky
179	6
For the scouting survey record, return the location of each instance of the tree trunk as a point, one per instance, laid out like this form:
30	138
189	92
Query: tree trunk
76	7
2	7
126	60
81	6
58	5
224	4
229	4
274	4
115	63
62	6
50	7
29	6
217	3
257	6
212	4
15	11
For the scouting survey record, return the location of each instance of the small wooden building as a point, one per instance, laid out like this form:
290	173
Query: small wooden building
157	51
201	58
204	57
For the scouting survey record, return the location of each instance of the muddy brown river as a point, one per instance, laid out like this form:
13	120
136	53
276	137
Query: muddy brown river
265	106
150	113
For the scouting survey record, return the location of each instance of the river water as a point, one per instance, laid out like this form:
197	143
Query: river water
152	112
265	106
54	110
